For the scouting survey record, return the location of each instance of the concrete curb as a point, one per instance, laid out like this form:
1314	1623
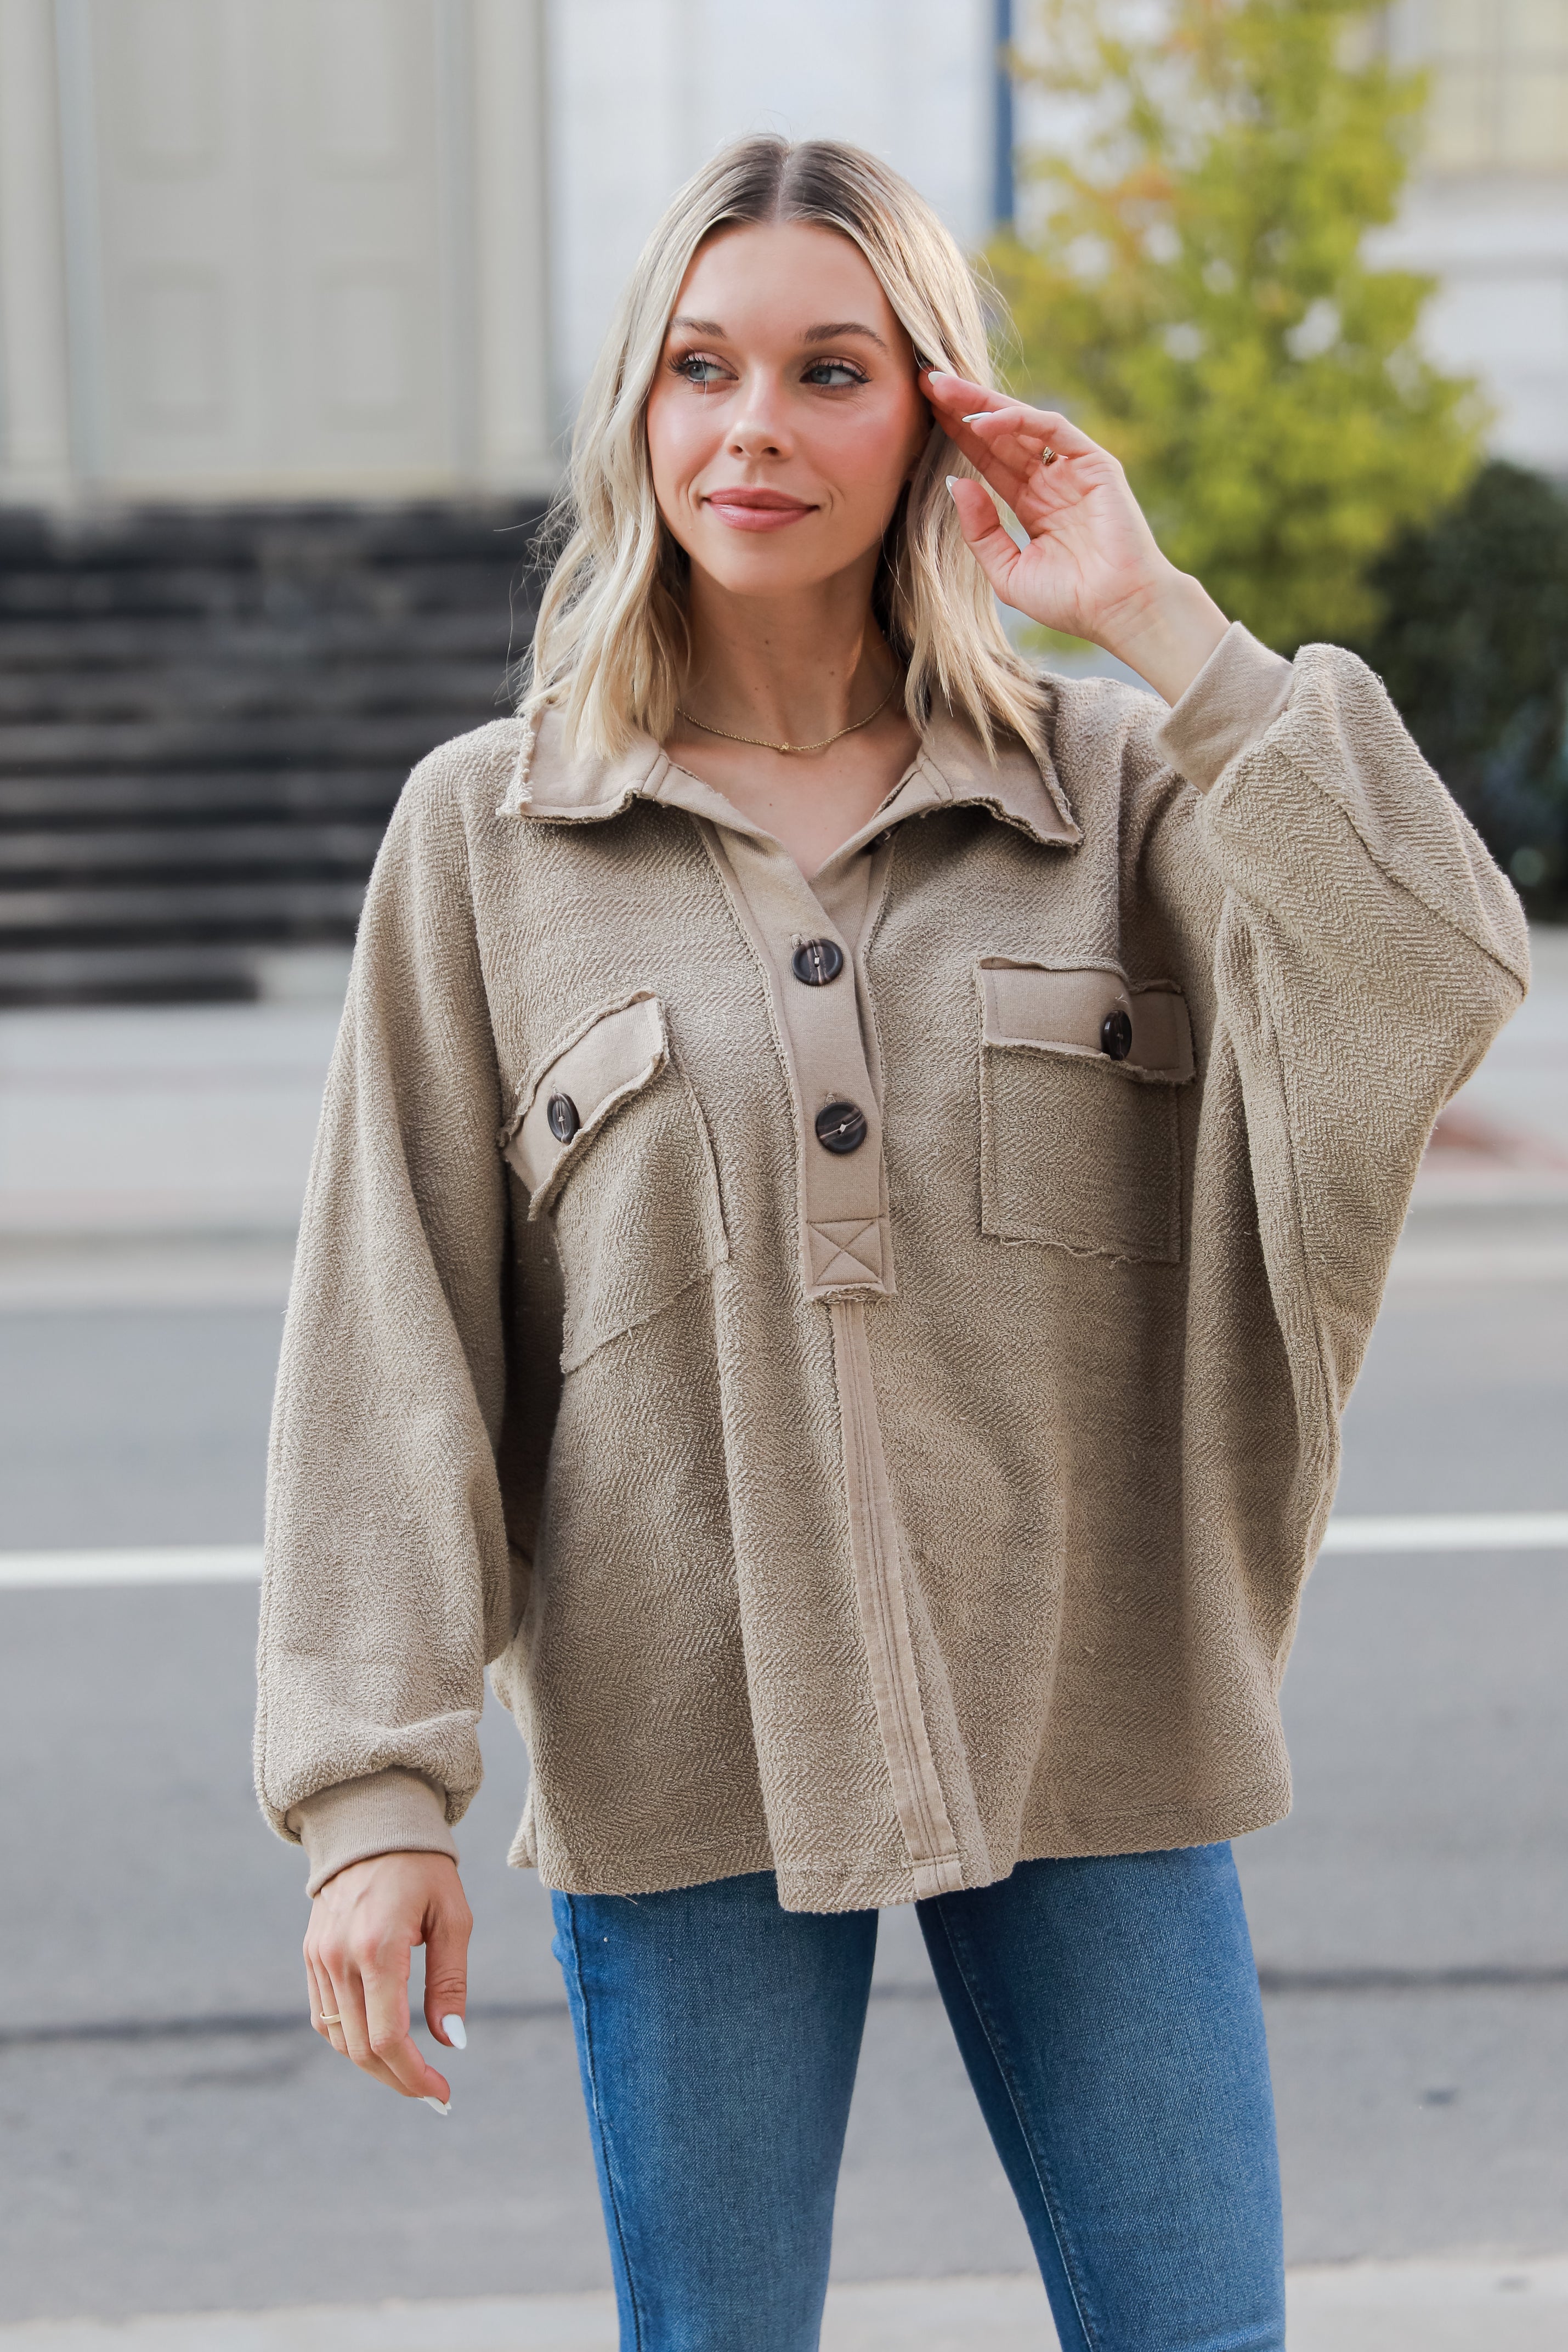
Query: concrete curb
1415	2306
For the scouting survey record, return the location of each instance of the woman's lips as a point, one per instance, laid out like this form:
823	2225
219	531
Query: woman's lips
746	510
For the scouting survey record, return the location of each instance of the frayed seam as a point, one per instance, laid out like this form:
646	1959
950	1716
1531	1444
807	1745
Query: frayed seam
517	796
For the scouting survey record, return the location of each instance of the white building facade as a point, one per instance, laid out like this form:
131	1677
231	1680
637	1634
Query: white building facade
272	248
257	249
1488	214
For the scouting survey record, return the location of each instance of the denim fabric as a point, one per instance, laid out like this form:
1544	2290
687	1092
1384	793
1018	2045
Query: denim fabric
1107	2012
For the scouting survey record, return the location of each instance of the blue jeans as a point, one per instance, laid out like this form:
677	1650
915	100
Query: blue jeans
1107	2012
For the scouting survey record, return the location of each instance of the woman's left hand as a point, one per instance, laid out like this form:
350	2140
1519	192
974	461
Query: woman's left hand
1092	567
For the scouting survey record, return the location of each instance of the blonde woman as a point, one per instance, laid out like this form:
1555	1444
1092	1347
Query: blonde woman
854	1188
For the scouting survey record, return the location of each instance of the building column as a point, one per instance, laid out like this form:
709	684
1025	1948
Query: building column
511	310
35	460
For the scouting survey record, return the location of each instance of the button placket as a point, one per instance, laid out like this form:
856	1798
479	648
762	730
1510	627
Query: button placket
842	1146
828	1033
839	1144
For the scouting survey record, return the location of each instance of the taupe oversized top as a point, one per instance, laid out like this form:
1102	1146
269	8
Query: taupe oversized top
860	1360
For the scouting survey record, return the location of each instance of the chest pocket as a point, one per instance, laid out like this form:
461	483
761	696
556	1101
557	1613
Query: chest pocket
1079	1145
610	1142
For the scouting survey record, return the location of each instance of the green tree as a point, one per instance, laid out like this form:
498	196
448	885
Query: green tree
1473	647
1191	287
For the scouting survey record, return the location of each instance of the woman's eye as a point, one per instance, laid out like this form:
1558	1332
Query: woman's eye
832	373
697	371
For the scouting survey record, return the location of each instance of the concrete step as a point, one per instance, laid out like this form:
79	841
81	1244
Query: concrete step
187	593
211	974
60	803
74	644
279	736
111	854
199	909
205	718
229	686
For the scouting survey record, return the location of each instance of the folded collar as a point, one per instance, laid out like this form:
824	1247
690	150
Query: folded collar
950	770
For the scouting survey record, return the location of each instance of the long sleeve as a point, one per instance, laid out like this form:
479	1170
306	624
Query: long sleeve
1367	953
387	1583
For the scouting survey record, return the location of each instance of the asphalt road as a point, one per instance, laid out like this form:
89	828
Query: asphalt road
172	2137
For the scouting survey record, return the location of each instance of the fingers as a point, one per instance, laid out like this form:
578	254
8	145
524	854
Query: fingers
447	1928
323	2008
364	1924
388	2039
982	412
1004	439
982	527
370	2027
341	2007
955	395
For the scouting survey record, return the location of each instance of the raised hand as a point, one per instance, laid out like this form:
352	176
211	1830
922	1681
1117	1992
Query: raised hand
1092	567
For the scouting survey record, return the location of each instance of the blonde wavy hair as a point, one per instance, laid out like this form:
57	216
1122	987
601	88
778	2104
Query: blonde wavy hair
611	645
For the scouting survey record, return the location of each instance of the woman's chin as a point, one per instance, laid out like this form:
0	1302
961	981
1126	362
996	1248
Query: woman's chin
763	564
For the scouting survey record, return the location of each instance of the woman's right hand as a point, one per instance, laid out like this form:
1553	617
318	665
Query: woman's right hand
364	1923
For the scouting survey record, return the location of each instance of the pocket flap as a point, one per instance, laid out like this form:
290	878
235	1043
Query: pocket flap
610	1057
1064	1010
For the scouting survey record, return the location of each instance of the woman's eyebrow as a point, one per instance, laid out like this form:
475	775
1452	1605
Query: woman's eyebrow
831	334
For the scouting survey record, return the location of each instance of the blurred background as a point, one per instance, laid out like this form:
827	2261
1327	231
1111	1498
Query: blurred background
295	300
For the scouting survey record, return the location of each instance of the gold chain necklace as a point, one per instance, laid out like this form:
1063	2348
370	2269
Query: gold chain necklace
758	744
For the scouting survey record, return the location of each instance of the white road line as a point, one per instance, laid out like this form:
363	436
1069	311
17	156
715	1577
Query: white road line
1415	1263
22	1571
1452	1531
166	1564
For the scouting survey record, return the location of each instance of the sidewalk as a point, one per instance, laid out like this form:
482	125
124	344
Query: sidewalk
1502	1143
158	1157
1363	2307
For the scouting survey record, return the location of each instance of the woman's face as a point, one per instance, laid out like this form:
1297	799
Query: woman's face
785	418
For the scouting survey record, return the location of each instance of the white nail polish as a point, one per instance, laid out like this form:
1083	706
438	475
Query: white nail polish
442	2107
951	479
976	416
456	2032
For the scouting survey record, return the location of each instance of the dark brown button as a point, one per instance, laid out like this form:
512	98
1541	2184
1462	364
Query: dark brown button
1117	1034
561	1113
841	1128
817	961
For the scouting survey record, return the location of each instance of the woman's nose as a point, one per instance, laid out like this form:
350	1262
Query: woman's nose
760	430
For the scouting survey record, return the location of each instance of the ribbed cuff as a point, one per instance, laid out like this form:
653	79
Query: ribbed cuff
1237	695
388	1812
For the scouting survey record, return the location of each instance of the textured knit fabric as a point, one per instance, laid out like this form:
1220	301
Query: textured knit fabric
880	1568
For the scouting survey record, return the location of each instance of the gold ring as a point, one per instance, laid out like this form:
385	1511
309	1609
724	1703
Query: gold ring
333	2020
1051	457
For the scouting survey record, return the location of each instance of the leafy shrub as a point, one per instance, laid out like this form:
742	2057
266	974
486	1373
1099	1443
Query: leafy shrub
1473	647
